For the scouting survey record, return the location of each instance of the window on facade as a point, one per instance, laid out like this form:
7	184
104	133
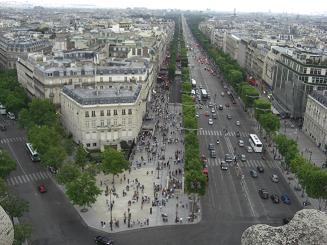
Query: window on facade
130	121
108	113
87	114
93	113
129	111
101	79
123	112
93	124
94	144
123	121
102	123
108	122
115	113
87	124
115	122
110	79
101	113
88	144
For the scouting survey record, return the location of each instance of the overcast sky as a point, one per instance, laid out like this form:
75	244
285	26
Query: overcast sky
289	6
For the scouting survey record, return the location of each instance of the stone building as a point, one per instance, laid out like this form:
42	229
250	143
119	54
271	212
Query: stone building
6	228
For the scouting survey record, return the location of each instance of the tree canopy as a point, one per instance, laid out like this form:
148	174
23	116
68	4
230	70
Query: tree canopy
7	164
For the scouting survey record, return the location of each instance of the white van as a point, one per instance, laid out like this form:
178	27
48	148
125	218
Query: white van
3	110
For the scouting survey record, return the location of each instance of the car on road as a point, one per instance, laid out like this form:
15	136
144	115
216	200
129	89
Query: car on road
253	173
228	158
223	165
238	123
220	107
241	143
210	105
211	147
238	134
210	121
243	158
225	87
285	199
213	154
103	240
214	116
3	127
263	194
274	198
213	110
228	92
229	116
249	149
222	94
197	115
260	169
227	105
42	188
11	115
274	178
206	113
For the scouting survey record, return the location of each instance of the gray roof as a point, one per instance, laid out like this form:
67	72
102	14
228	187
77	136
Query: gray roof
92	96
319	96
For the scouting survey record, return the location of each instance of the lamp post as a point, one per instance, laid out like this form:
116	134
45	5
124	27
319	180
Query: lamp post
110	190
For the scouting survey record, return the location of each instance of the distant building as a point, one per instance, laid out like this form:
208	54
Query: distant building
297	73
16	45
102	115
315	118
6	228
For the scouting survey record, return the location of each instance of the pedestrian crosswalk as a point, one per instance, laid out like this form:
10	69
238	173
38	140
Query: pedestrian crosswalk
220	133
13	139
249	163
22	179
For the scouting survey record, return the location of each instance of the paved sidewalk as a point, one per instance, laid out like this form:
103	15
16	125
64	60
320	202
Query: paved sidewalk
151	193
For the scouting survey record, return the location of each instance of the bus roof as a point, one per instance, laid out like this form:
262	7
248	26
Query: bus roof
255	138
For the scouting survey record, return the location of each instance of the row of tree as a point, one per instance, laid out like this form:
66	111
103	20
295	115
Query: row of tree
195	180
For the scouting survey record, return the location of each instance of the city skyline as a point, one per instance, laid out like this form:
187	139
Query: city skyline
278	6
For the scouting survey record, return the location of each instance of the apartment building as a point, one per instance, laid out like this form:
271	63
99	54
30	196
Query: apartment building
14	45
44	76
97	116
6	228
236	47
315	118
297	73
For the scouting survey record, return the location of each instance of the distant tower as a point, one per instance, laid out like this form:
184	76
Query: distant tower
234	12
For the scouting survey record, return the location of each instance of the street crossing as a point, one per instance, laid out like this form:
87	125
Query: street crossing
249	163
220	133
13	139
22	179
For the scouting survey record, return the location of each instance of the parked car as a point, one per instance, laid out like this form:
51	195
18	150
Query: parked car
223	165
3	127
253	173
241	143
238	123
42	188
210	121
274	178
220	107
285	199
274	198
263	194
260	169
103	240
243	158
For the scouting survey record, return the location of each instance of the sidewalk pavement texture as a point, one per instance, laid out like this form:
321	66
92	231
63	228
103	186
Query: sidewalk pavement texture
163	200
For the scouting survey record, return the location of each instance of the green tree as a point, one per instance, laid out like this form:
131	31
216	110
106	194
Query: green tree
14	206
235	76
3	188
68	173
81	157
83	191
261	106
22	232
54	156
7	164
270	123
40	112
113	162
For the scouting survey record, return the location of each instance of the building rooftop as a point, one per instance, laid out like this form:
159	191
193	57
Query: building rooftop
320	96
107	95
